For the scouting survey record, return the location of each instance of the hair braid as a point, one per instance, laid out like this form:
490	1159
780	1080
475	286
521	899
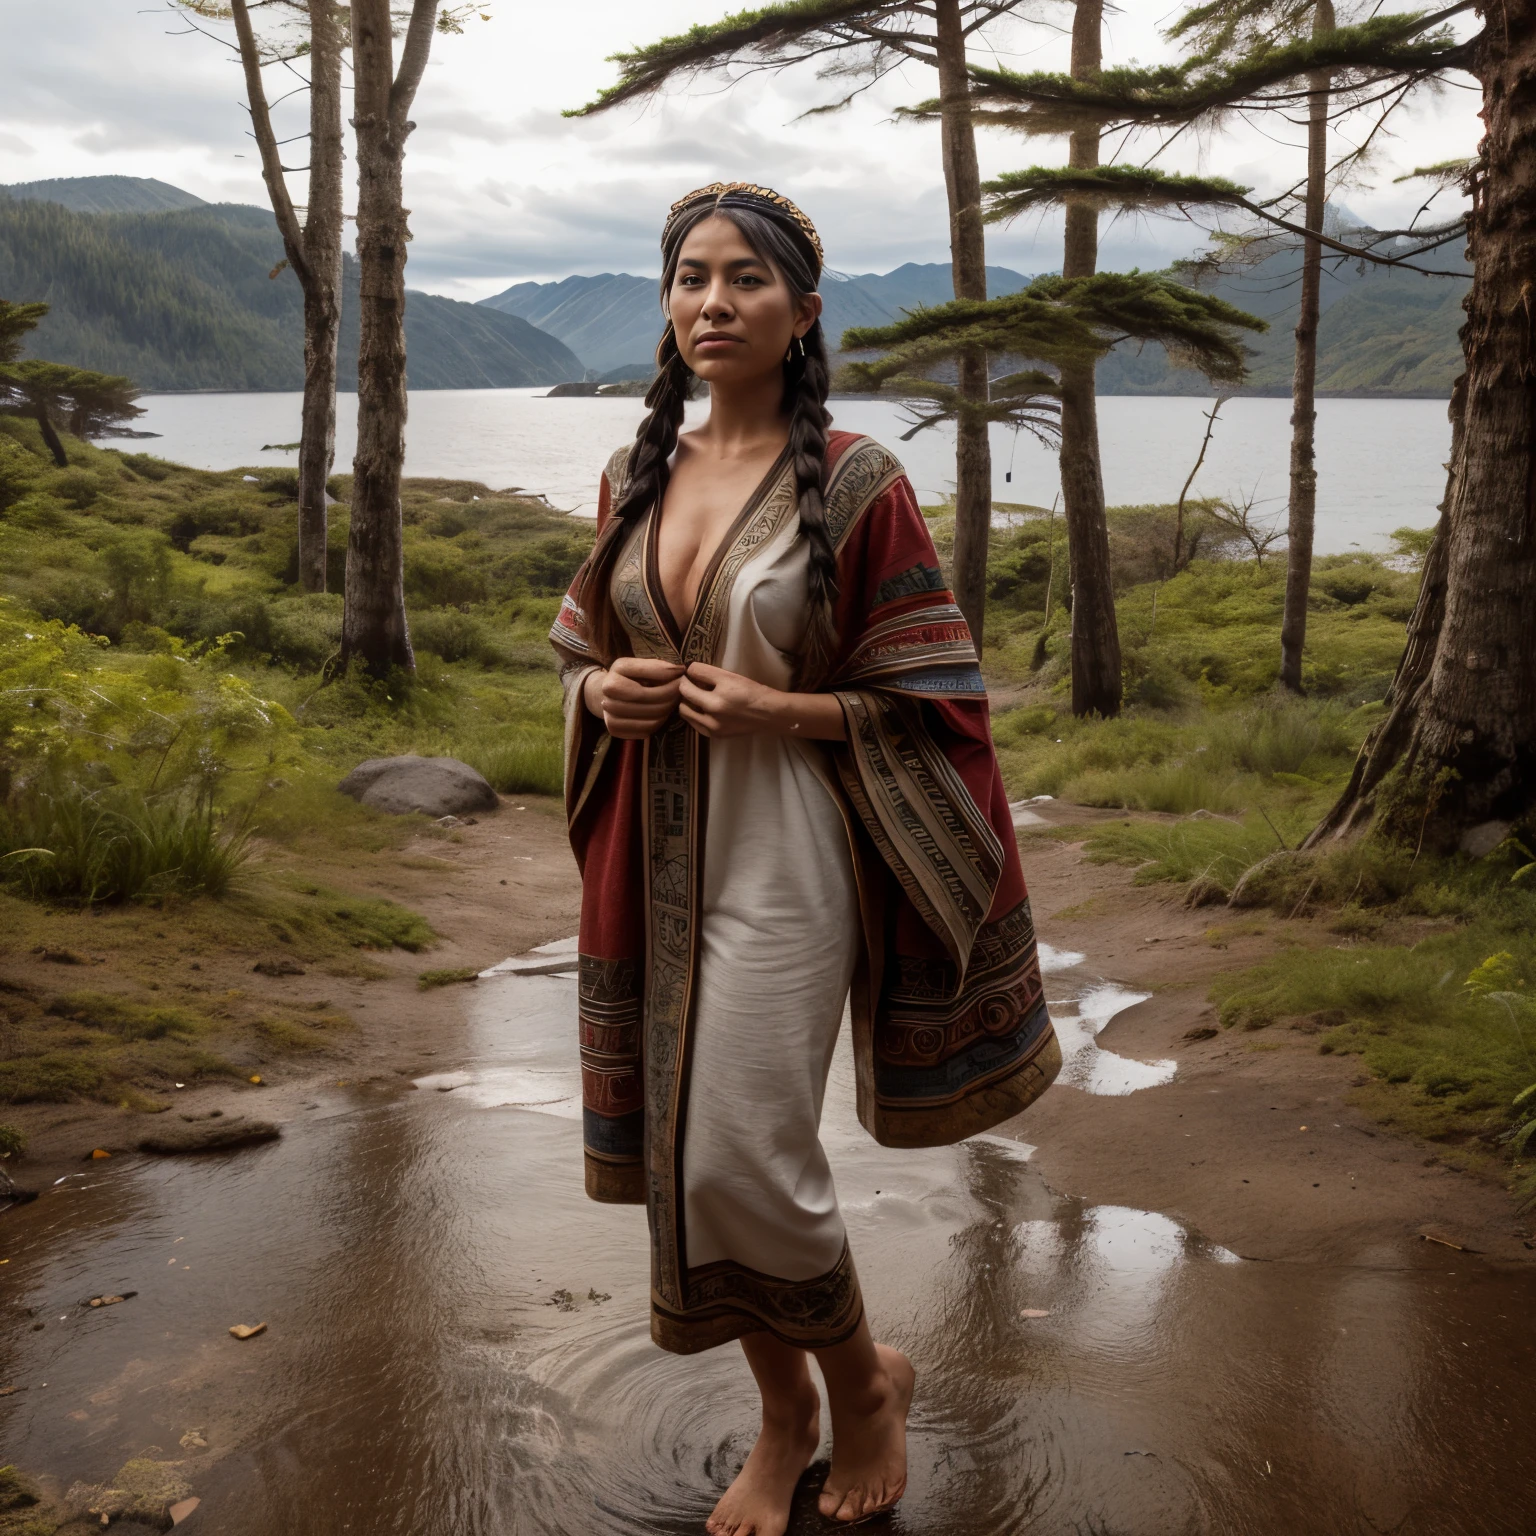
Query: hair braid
646	473
805	400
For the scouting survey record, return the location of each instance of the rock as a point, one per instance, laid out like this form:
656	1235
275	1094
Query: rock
111	1301
1481	840
248	1330
574	391
208	1135
193	1441
179	1511
279	967
435	786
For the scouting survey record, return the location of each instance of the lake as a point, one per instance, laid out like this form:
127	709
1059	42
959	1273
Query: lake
1380	462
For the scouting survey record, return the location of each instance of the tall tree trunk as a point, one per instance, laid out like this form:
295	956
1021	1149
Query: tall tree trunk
1303	507
313	248
1096	685
1461	732
373	626
322	293
968	266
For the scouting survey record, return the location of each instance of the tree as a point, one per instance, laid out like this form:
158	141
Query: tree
1085	187
1228	28
374	630
84	403
312	244
863	40
16	321
1067	323
1457	746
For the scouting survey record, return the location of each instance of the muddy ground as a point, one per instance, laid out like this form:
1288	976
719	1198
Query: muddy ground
1256	1142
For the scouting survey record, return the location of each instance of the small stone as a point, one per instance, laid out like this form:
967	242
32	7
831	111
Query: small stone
193	1441
99	1152
182	1508
1035	1312
248	1330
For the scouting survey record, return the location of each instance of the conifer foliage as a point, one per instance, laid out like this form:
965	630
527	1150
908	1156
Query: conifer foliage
859	41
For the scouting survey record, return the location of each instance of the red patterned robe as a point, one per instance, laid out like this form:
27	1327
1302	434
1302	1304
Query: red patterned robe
950	1030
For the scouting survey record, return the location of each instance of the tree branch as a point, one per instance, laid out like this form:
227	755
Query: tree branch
413	61
272	168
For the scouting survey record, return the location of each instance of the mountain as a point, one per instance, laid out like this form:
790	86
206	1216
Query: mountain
105	194
1383	331
613	322
193	298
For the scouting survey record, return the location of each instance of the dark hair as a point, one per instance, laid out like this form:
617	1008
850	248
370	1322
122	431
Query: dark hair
778	239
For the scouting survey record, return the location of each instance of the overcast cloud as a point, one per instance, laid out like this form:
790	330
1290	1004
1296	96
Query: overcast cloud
503	189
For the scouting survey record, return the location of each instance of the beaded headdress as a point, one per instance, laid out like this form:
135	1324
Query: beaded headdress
717	190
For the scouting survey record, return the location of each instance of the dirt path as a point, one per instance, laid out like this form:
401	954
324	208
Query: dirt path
1254	1143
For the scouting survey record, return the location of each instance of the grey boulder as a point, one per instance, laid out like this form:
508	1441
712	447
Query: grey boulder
435	786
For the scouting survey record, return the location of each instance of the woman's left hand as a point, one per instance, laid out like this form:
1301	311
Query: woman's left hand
717	703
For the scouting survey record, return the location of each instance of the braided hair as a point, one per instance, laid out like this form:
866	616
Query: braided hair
781	240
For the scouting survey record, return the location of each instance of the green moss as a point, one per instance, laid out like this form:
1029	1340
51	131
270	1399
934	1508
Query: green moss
447	977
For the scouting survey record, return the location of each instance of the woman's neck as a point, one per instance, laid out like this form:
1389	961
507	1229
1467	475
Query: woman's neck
743	417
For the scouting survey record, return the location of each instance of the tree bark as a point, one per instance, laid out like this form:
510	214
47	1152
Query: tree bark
1303	500
968	267
50	436
1459	740
322	294
1096	687
374	630
313	248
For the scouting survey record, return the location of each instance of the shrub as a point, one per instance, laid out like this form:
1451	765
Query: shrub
64	842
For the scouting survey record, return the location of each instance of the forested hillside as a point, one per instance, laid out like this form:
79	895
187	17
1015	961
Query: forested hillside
194	298
1383	331
106	194
612	322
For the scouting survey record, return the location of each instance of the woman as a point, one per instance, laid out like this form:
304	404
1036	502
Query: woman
781	785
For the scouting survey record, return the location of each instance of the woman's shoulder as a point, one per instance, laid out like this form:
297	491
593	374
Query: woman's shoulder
860	472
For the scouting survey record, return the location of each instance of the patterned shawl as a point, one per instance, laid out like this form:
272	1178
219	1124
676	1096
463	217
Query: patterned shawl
951	1034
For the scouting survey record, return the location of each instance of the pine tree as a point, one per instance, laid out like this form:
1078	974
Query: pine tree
1456	749
864	39
58	395
1249	28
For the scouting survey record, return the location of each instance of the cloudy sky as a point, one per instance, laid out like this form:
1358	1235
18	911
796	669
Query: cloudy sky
503	189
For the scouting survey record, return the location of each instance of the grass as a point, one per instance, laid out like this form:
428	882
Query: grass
68	843
447	977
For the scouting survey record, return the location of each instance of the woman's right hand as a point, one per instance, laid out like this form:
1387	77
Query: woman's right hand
635	696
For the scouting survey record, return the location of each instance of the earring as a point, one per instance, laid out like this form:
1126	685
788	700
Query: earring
797	341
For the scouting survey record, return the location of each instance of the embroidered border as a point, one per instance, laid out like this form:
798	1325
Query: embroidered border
920	817
727	1300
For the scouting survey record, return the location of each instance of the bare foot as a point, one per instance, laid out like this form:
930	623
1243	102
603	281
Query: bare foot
757	1503
869	1444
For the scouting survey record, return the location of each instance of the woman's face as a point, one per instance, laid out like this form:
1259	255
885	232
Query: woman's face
733	313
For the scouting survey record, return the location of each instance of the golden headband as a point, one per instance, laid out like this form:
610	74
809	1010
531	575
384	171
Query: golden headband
718	189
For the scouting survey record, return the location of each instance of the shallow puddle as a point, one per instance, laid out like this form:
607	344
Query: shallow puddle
457	1339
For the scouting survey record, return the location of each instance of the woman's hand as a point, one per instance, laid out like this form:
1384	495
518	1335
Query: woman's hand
635	696
718	704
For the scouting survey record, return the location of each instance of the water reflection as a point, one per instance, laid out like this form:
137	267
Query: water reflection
458	1345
